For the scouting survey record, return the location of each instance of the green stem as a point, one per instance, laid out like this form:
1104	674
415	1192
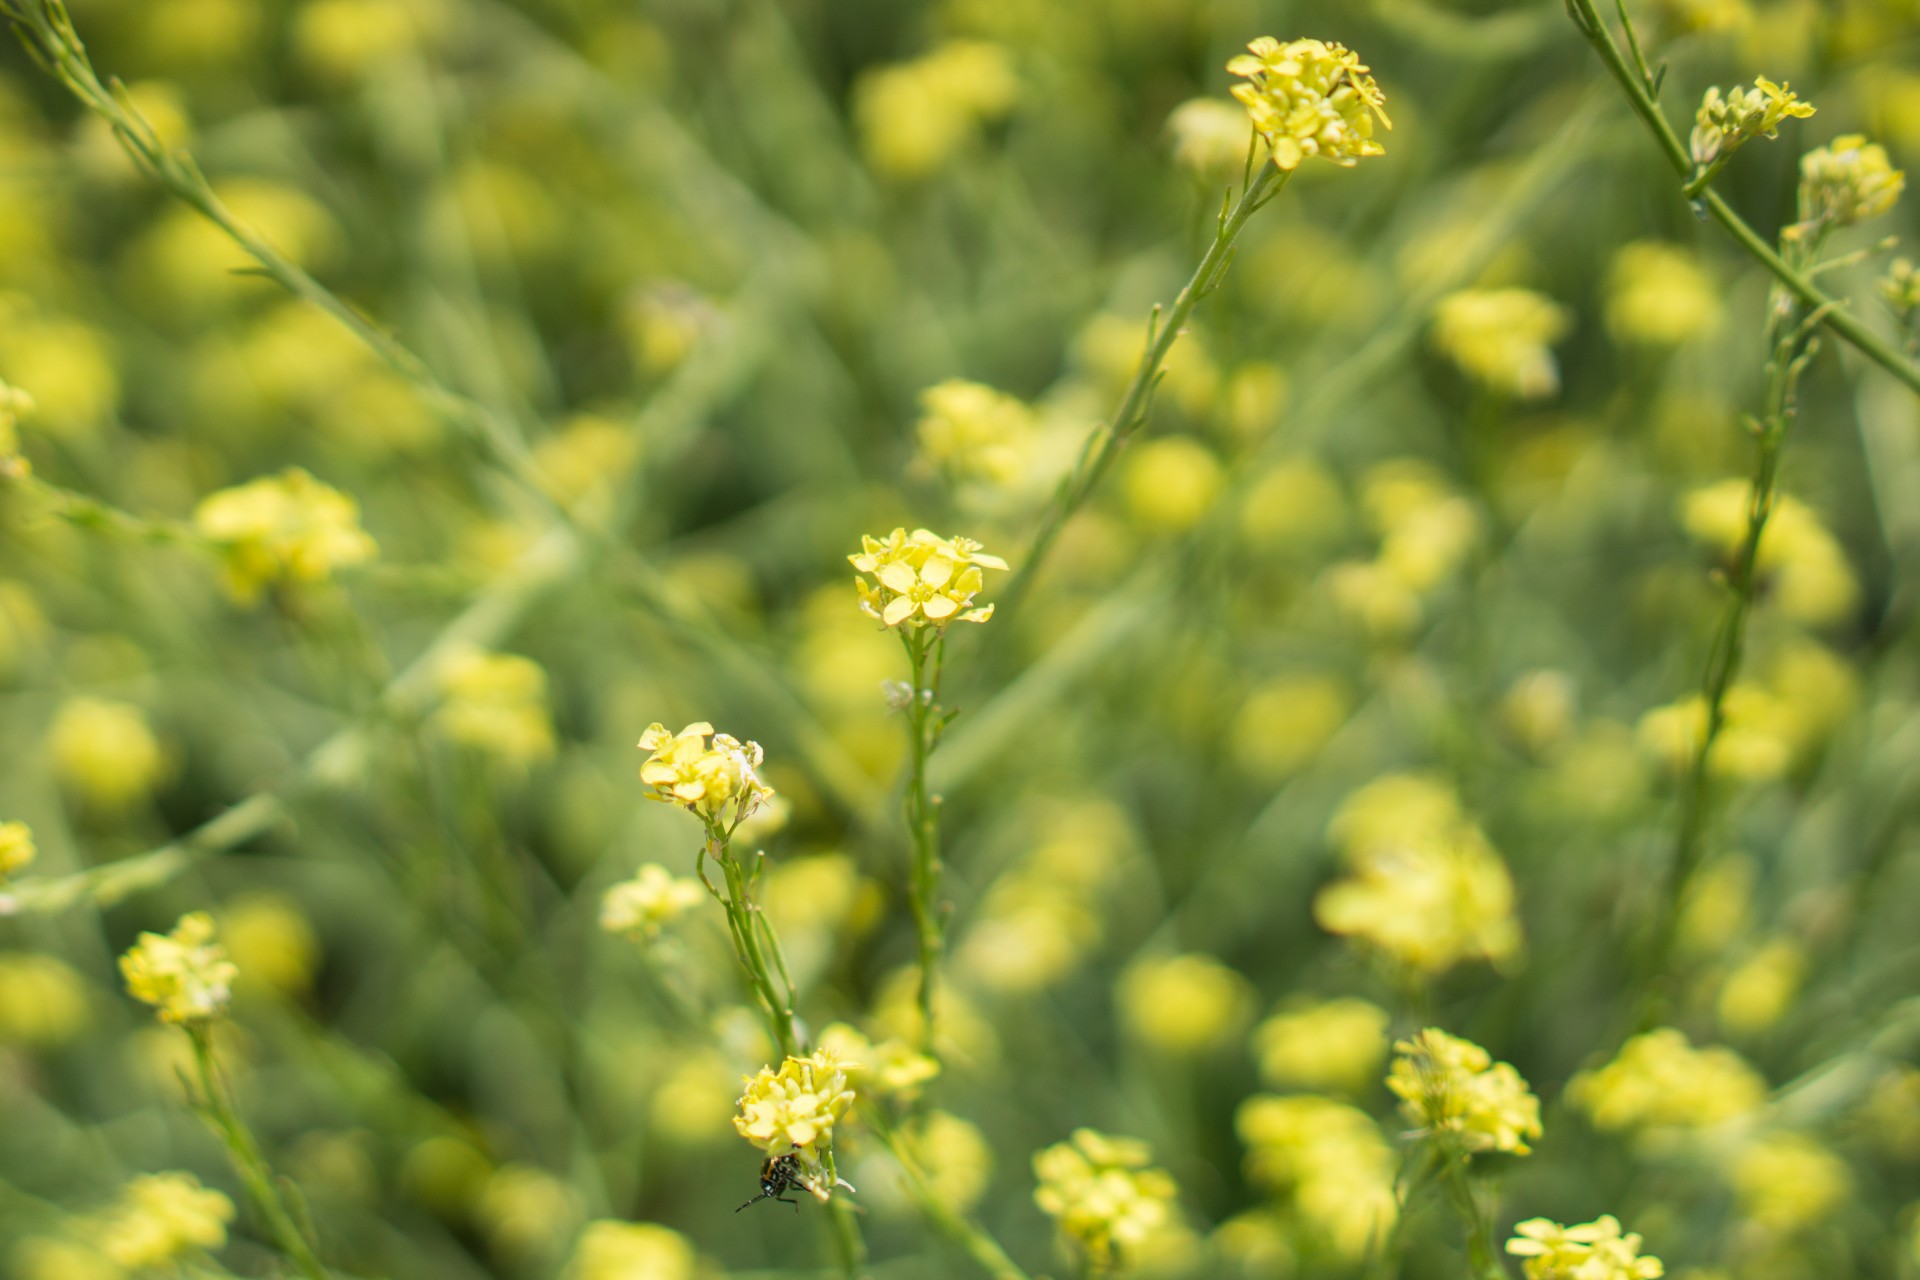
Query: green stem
1796	281
262	1186
740	909
1104	444
971	1237
923	825
1482	1258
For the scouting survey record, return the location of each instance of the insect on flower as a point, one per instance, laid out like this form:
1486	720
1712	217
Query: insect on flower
778	1175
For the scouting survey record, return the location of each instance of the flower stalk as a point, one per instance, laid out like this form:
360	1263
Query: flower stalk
926	656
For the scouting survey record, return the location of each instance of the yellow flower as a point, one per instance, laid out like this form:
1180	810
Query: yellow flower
1847	181
707	780
282	529
1184	1004
16	848
1722	125
1801	563
973	434
1592	1251
1101	1193
1658	1080
631	1251
1788	1181
1328	1160
639	908
43	1002
793	1110
270	941
161	1218
1452	1086
913	117
1309	98
184	974
954	1155
1702	15
1210	138
495	703
1901	288
922	579
105	752
1657	295
1170	483
1502	338
1335	1045
890	1068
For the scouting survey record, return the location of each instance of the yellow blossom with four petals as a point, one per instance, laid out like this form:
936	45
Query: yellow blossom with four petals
921	579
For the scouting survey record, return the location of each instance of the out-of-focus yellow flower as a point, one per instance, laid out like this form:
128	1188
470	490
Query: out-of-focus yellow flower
194	267
288	528
495	703
1110	347
1538	710
1295	506
1329	1161
65	374
1658	295
1426	529
47	1258
105	753
922	580
962	1033
1682	16
17	850
1170	483
524	1211
1426	888
1210	138
1762	987
954	1155
691	1106
1658	1080
707	780
184	974
1788	1181
1028	936
1591	1251
43	1002
974	435
15	404
1184	1004
1847	181
1254	398
793	1110
1801	563
1451	1086
914	117
1339	1044
1102	1195
1284	723
891	1068
161	1218
1309	98
610	1250
270	942
1503	339
1374	596
346	39
1723	125
586	457
666	322
1752	745
639	908
1900	287
1890	1115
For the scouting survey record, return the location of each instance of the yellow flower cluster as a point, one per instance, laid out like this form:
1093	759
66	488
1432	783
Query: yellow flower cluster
1786	1182
162	1218
1335	1045
1847	181
610	1250
1447	1085
495	703
1426	888
1426	532
976	436
1802	565
954	1155
639	908
1659	1080
920	579
17	851
1184	1004
1770	725
708	780
105	752
1310	98
1723	125
1503	339
184	974
1101	1192
915	116
793	1110
1328	1160
890	1068
1658	296
282	529
1592	1251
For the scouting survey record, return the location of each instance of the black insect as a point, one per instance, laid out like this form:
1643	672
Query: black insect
778	1175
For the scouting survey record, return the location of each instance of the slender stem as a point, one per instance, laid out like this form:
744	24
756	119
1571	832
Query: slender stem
258	1176
1101	447
979	1245
923	826
1796	281
1481	1256
740	909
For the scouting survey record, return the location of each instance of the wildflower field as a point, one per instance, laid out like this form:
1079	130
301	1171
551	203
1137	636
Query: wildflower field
1249	639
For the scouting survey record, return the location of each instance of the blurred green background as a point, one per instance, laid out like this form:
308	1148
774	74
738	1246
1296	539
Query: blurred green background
707	257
